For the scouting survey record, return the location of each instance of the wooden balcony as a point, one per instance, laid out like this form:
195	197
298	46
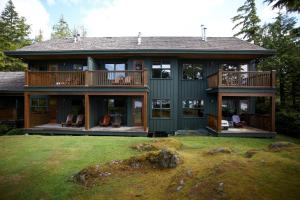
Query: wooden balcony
265	79
99	78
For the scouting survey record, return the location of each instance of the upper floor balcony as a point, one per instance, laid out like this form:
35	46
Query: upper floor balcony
98	78
237	79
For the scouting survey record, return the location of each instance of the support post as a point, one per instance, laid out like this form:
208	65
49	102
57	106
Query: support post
87	111
145	111
26	110
26	78
219	115
273	101
219	77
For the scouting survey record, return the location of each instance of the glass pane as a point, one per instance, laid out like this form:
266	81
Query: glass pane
34	102
166	66
244	105
165	113
156	66
120	67
192	72
165	103
137	111
156	103
166	73
155	113
156	73
110	67
42	102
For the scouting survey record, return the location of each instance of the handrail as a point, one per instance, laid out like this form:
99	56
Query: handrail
98	78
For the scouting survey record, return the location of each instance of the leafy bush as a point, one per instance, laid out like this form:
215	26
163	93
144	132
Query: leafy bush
288	123
16	131
4	129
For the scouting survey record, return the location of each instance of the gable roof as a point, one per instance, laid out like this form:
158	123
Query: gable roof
148	45
11	82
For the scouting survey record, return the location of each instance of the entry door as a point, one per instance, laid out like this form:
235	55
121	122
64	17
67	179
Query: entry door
52	109
137	111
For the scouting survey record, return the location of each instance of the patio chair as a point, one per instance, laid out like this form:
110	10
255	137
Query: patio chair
237	123
79	121
105	120
69	121
128	80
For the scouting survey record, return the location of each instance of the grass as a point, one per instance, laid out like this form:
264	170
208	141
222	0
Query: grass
39	167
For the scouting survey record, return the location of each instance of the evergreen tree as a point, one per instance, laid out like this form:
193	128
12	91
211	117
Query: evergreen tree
39	37
279	36
61	29
248	20
290	5
14	34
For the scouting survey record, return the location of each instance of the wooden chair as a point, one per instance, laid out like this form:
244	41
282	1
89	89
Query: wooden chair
105	120
128	80
69	121
79	121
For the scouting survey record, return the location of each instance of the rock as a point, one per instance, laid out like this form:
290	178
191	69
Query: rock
144	147
189	173
250	153
164	159
179	188
181	182
82	179
220	187
219	150
277	146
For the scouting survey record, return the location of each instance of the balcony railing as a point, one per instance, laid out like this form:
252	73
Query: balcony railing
241	79
99	78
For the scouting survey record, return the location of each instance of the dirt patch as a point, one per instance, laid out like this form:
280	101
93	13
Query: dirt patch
219	150
158	144
162	159
250	153
281	145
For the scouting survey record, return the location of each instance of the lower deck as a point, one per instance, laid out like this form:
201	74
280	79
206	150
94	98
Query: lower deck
246	131
57	129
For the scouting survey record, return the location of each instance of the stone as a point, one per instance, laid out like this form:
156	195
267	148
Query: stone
250	153
189	173
179	188
164	159
181	182
277	146
219	150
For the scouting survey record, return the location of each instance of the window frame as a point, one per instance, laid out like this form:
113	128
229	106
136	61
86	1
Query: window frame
38	106
114	75
201	108
161	108
161	63
191	63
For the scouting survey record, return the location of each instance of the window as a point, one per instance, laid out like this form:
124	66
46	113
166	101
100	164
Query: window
234	67
244	106
115	70
161	108
161	69
192	71
39	104
193	108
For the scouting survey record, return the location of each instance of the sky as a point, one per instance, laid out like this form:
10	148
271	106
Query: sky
128	17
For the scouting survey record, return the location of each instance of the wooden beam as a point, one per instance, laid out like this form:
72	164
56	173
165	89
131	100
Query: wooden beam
239	94
273	102
219	111
145	111
87	111
26	110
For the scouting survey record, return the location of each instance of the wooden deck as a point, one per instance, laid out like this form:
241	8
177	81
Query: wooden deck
243	132
57	129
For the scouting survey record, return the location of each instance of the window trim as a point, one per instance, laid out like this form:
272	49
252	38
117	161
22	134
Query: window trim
197	117
161	62
161	108
38	99
191	63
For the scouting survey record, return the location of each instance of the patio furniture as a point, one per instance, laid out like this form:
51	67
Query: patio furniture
116	120
105	120
237	123
69	121
225	124
128	80
79	121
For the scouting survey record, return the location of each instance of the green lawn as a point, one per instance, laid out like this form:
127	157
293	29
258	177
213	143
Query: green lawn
39	167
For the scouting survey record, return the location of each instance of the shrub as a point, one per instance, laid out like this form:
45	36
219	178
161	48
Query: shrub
288	123
16	131
3	129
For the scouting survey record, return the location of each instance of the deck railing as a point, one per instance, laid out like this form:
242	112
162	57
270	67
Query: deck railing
99	78
241	79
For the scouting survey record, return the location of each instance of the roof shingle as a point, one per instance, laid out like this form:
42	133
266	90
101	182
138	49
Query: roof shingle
11	81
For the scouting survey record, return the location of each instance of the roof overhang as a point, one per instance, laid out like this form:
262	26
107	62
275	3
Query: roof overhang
143	52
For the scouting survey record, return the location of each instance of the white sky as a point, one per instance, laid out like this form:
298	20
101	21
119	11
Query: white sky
128	17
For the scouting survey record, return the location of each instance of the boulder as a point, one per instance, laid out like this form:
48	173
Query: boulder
219	150
164	159
277	146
